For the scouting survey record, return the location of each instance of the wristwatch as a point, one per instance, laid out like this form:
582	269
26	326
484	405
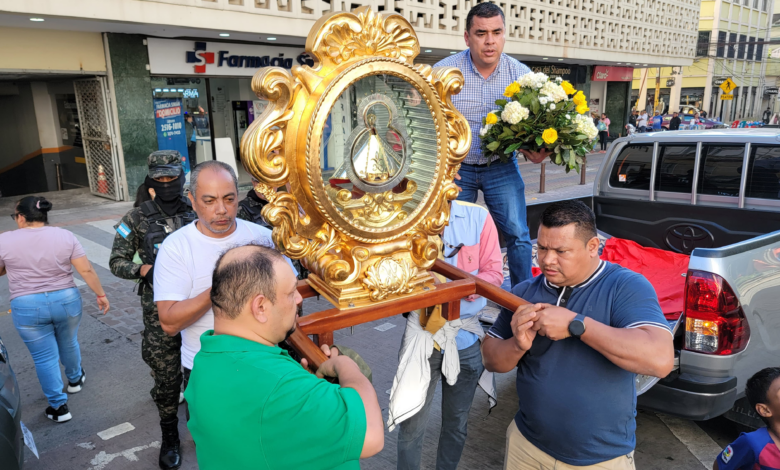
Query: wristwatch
577	326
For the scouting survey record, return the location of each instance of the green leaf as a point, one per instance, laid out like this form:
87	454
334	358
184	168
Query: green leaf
558	159
535	106
492	146
567	156
539	141
513	147
514	128
501	102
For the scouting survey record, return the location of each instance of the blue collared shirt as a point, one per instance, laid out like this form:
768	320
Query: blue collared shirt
479	94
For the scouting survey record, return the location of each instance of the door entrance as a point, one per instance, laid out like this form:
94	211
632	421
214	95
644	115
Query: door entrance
97	133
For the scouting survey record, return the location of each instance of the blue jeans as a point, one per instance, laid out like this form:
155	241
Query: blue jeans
48	324
455	405
504	193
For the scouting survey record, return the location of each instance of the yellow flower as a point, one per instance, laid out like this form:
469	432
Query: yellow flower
582	108
549	135
567	87
579	99
512	89
491	119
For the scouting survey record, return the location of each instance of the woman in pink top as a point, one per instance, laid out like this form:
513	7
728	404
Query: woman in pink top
45	303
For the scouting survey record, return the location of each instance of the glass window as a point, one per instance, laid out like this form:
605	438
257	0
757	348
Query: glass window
675	168
751	49
741	46
722	170
703	44
763	180
732	45
632	168
760	50
721	49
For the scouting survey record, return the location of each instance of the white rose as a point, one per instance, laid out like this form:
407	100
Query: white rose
542	100
552	107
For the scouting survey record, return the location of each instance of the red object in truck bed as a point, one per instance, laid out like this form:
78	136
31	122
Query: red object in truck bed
665	271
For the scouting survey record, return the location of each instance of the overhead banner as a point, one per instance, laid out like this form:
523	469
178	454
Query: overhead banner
169	122
193	58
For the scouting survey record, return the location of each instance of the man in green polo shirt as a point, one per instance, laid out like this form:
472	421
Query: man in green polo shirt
251	405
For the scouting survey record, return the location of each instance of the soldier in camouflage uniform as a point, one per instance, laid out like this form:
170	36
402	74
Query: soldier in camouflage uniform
139	234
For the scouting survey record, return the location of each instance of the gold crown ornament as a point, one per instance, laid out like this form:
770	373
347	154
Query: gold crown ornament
356	156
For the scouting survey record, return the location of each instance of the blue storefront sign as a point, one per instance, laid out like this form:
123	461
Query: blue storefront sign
169	121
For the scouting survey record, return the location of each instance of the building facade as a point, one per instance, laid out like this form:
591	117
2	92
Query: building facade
732	43
177	73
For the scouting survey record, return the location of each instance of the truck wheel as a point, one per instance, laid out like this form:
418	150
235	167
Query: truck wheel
743	414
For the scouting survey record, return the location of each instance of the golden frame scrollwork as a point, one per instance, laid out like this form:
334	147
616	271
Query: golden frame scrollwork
351	263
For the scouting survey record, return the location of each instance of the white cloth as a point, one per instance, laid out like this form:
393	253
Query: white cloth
410	385
183	270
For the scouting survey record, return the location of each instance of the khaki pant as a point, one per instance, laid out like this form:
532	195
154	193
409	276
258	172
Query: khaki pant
522	455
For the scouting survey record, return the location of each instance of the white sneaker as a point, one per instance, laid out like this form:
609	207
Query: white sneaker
76	387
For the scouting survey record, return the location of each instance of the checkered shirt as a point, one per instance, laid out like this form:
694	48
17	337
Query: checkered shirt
479	94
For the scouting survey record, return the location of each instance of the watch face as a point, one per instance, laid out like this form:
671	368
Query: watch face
577	328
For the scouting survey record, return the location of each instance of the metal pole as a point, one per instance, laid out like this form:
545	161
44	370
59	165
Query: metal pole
59	176
541	178
657	89
582	172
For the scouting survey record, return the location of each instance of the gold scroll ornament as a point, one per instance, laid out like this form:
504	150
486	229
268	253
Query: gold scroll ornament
360	246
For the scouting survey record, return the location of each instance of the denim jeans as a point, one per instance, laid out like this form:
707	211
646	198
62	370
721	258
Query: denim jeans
48	324
504	193
455	405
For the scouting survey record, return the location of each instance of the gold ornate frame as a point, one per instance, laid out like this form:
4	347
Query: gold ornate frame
351	264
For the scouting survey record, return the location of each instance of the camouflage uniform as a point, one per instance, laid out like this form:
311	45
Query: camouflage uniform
161	352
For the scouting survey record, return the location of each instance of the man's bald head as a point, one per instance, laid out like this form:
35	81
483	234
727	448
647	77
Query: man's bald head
241	274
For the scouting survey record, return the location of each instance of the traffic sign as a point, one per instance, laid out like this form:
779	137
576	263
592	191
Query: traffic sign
728	86
727	97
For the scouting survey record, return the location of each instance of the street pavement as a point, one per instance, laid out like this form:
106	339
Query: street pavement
115	423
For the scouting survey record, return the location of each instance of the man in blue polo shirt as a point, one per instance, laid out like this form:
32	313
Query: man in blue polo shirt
590	327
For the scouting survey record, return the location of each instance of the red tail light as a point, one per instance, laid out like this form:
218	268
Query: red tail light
714	320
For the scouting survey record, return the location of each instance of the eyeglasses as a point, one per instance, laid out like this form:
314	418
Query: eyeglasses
13	216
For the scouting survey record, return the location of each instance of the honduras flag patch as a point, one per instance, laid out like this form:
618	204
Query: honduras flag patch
123	230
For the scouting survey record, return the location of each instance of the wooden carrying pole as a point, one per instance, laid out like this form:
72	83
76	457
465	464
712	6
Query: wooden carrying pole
322	324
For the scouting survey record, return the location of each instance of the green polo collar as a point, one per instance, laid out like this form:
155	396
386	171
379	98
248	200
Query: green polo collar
209	342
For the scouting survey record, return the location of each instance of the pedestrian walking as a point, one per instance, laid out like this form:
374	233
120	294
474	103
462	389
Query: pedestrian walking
487	71
641	123
45	303
160	212
632	118
674	123
603	127
589	328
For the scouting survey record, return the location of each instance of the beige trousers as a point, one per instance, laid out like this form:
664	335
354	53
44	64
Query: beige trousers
522	455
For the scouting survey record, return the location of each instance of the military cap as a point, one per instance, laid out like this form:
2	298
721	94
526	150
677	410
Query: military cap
164	163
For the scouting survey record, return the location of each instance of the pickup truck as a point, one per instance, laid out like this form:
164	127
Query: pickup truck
714	195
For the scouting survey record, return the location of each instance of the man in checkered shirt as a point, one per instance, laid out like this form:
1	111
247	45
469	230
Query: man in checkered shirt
487	72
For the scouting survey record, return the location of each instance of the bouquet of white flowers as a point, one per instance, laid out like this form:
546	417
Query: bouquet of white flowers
540	117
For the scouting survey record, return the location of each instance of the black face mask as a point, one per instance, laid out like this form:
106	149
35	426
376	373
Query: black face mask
168	195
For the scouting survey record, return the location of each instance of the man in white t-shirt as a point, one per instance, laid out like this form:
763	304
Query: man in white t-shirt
641	123
186	260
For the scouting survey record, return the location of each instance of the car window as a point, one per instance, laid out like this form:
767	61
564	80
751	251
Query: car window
675	168
763	180
631	169
721	169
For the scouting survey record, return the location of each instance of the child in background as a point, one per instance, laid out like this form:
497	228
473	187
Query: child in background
757	450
